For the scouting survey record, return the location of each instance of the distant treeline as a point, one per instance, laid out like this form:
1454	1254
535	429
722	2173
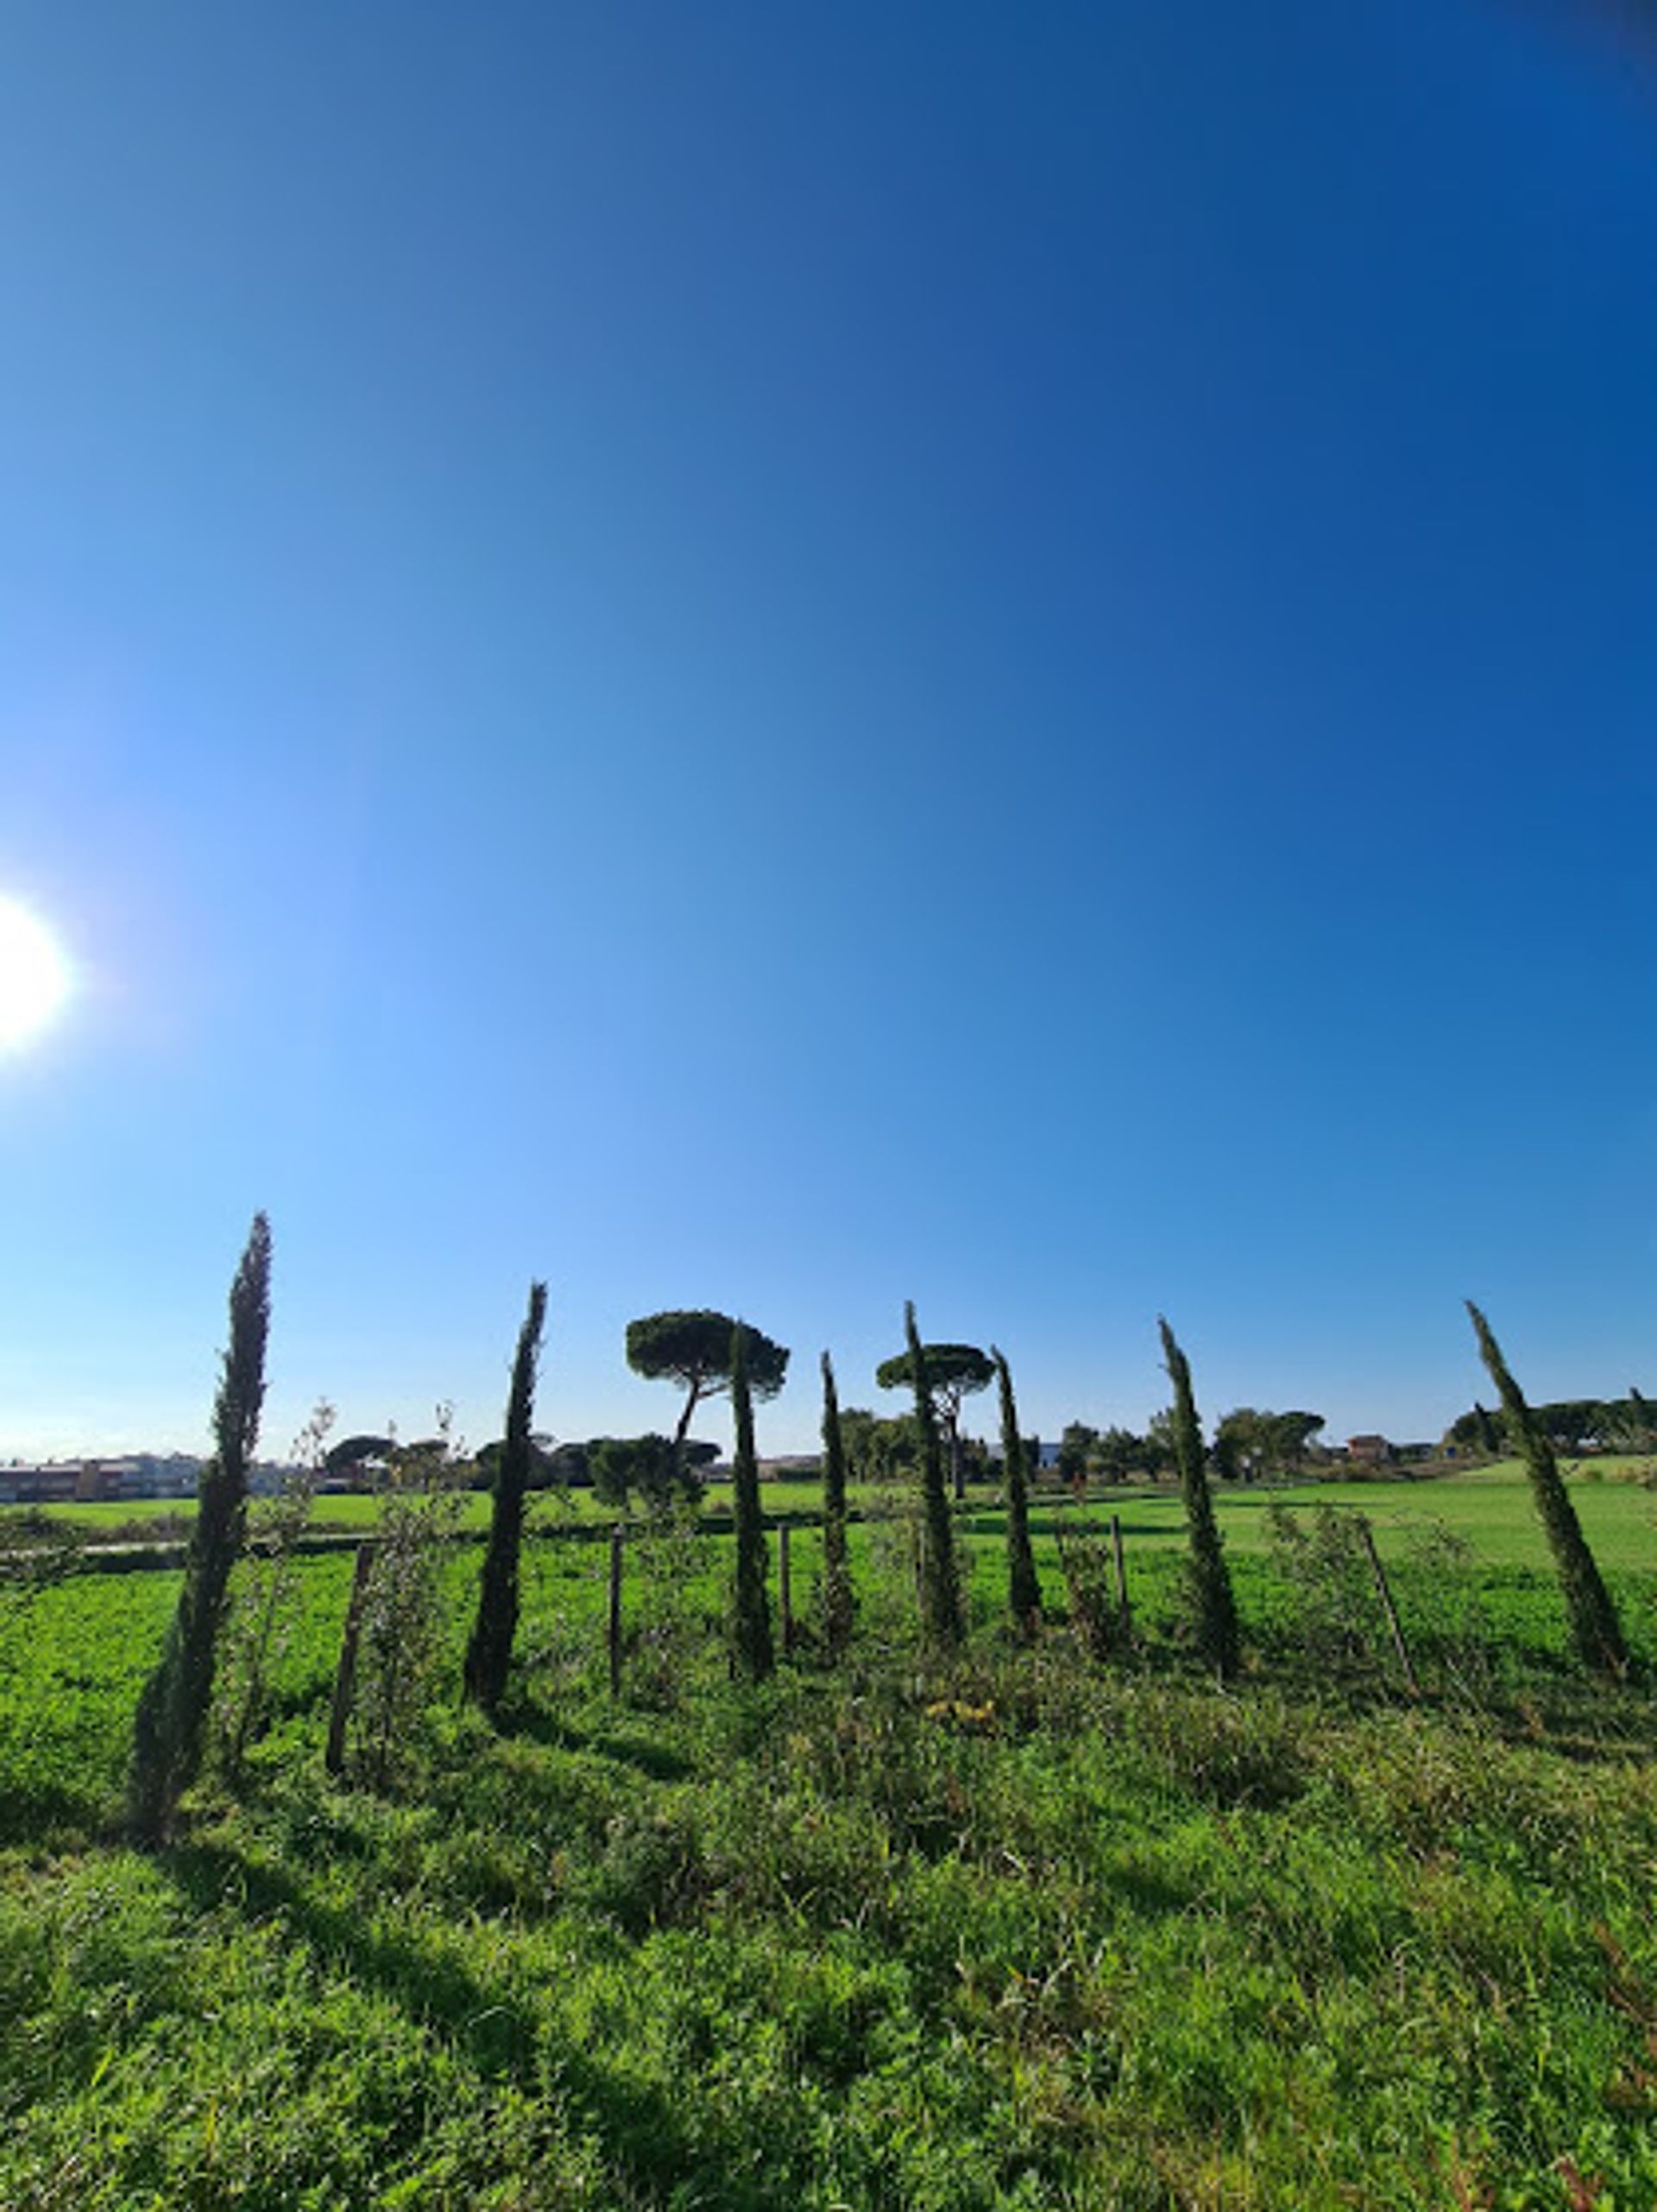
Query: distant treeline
1569	1424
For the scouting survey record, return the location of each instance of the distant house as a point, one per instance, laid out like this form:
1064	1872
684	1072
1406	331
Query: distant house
60	1482
1371	1451
789	1467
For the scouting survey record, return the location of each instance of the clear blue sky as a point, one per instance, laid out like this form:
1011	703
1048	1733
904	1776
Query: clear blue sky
786	657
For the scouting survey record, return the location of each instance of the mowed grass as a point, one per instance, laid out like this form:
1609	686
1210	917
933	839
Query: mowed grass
1489	1507
1025	1931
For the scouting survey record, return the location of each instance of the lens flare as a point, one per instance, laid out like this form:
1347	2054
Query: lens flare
34	977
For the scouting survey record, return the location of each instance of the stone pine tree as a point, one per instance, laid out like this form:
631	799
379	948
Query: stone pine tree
1214	1606
941	1610
836	1568
1594	1629
488	1653
954	1371
173	1709
1024	1586
693	1349
751	1602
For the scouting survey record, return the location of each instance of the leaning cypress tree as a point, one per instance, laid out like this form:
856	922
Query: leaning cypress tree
1594	1629
173	1710
751	1601
1211	1582
1024	1586
940	1614
488	1654
836	1568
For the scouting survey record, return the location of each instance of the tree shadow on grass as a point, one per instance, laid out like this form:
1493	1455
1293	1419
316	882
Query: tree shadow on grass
654	1761
495	2033
46	1813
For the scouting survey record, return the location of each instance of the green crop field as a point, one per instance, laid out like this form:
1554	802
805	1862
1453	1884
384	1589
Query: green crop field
1032	1928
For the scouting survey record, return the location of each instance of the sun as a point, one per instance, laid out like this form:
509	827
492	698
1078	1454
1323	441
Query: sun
34	976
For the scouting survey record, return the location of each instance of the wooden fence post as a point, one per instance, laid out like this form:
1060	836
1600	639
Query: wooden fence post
1390	1610
345	1674
1124	1611
614	1630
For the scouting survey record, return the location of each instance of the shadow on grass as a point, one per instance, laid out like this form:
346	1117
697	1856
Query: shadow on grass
654	1761
495	2034
45	1814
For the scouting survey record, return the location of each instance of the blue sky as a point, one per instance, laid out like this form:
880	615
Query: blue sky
787	658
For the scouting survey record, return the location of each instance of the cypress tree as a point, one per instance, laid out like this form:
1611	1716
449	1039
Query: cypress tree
488	1653
1488	1442
751	1601
836	1569
1641	1414
1024	1586
941	1615
1211	1582
173	1709
1595	1629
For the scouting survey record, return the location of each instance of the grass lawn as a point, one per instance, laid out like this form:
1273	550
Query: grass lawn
1491	1508
1020	1930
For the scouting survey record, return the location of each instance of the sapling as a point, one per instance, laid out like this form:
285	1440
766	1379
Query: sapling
1595	1629
1212	1604
940	1607
488	1654
750	1601
1024	1586
173	1708
262	1597
837	1604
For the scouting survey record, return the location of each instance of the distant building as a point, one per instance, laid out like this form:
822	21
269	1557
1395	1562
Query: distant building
59	1482
1372	1450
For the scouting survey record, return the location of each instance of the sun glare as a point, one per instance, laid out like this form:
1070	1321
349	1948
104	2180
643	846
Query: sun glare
33	974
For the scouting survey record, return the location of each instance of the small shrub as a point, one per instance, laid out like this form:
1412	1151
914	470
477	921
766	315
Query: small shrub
263	1597
1086	1561
1322	1566
403	1622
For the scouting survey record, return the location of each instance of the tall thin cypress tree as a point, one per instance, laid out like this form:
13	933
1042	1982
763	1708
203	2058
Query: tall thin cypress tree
940	1610
488	1654
1594	1629
1218	1637
836	1567
751	1601
1023	1586
173	1710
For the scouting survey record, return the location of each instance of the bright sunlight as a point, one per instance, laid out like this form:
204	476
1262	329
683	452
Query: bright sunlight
33	974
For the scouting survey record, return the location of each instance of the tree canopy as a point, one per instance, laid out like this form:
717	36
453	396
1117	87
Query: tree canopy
351	1452
693	1349
1570	1425
952	1371
1248	1442
650	1465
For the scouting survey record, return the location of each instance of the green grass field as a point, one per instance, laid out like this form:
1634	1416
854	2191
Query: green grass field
1490	1509
1027	1930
